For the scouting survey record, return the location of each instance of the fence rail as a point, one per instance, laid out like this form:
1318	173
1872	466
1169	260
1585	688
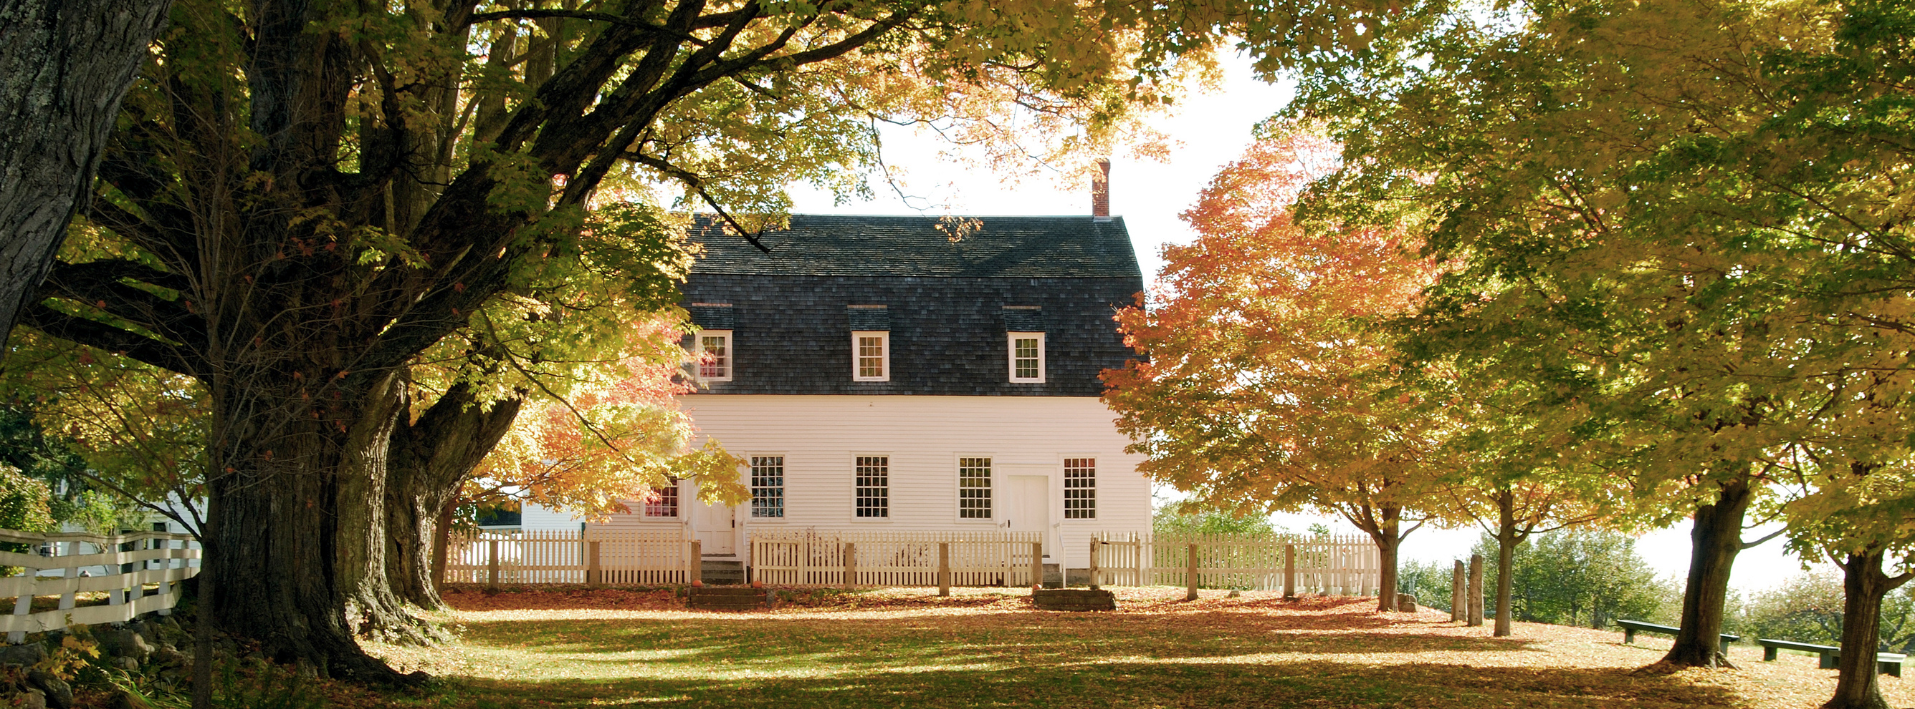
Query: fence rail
133	561
1335	565
893	558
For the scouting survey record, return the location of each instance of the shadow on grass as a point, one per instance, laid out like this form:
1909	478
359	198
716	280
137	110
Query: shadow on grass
1192	659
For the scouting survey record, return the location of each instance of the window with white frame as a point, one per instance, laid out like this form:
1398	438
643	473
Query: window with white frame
1027	357
974	488
663	501
873	486
871	356
768	486
1080	488
714	355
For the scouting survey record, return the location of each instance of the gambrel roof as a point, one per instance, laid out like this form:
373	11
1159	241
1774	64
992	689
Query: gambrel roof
947	305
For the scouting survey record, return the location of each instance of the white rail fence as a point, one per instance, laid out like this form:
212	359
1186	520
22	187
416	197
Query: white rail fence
895	558
1334	565
131	562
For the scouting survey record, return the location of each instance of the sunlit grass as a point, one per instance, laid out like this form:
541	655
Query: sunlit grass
906	648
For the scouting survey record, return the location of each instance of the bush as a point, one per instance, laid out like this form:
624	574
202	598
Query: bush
1581	577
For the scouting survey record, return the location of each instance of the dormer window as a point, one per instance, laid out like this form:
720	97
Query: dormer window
870	356
714	355
1027	357
870	342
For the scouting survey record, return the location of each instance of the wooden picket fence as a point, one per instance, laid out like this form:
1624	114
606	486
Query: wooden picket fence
612	556
1332	565
810	558
135	560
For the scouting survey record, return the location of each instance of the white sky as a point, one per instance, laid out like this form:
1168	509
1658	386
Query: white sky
1211	129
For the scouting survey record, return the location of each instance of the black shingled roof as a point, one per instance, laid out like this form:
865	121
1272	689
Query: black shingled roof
1005	247
947	306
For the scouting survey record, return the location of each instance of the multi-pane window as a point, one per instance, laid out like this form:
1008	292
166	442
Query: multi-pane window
767	486
873	493
974	488
714	362
1080	488
663	501
1027	357
871	356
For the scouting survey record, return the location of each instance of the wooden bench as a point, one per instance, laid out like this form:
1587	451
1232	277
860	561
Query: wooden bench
1629	628
1888	663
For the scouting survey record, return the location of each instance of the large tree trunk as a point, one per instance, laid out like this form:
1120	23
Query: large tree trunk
1714	543
1507	538
64	64
430	459
301	534
1863	586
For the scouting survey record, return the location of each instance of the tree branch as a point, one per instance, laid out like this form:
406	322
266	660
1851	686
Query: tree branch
109	338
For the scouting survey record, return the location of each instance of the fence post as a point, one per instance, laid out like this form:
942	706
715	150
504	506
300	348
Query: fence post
1093	564
23	605
594	574
695	567
944	568
1037	565
804	562
1141	581
1475	589
492	563
1289	572
1190	574
850	565
1459	612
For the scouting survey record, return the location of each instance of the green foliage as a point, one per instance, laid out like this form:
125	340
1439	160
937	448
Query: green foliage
1429	581
1174	520
1808	608
1588	578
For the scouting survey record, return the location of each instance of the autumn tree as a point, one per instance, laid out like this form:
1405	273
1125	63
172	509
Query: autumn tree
1269	384
308	196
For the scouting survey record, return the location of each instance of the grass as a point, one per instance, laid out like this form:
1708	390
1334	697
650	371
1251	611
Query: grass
907	648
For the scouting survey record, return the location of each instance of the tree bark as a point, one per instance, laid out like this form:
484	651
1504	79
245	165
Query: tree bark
1507	537
1714	542
1384	531
64	65
430	459
301	533
1863	586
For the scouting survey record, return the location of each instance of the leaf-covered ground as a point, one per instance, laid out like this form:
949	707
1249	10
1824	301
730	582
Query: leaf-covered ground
908	648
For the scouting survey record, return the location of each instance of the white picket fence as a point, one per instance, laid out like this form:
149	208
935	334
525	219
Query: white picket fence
1333	565
593	556
132	562
1327	565
893	558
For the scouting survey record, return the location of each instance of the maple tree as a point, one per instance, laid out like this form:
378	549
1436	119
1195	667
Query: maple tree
1680	222
305	198
1269	384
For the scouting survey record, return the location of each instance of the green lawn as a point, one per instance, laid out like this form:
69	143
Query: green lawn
906	648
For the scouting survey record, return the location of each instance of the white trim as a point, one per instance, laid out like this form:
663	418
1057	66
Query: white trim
884	343
1010	351
731	355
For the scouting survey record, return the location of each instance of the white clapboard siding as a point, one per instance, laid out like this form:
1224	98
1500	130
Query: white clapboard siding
891	558
1336	565
924	436
157	558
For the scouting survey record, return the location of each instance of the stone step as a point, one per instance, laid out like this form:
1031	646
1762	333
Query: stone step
727	599
721	571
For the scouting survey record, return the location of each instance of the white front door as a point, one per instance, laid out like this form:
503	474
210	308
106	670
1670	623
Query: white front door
1029	506
716	528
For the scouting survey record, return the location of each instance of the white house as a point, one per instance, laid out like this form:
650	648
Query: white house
880	376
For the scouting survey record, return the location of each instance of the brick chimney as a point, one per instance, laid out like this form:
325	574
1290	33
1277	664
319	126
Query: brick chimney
1100	192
